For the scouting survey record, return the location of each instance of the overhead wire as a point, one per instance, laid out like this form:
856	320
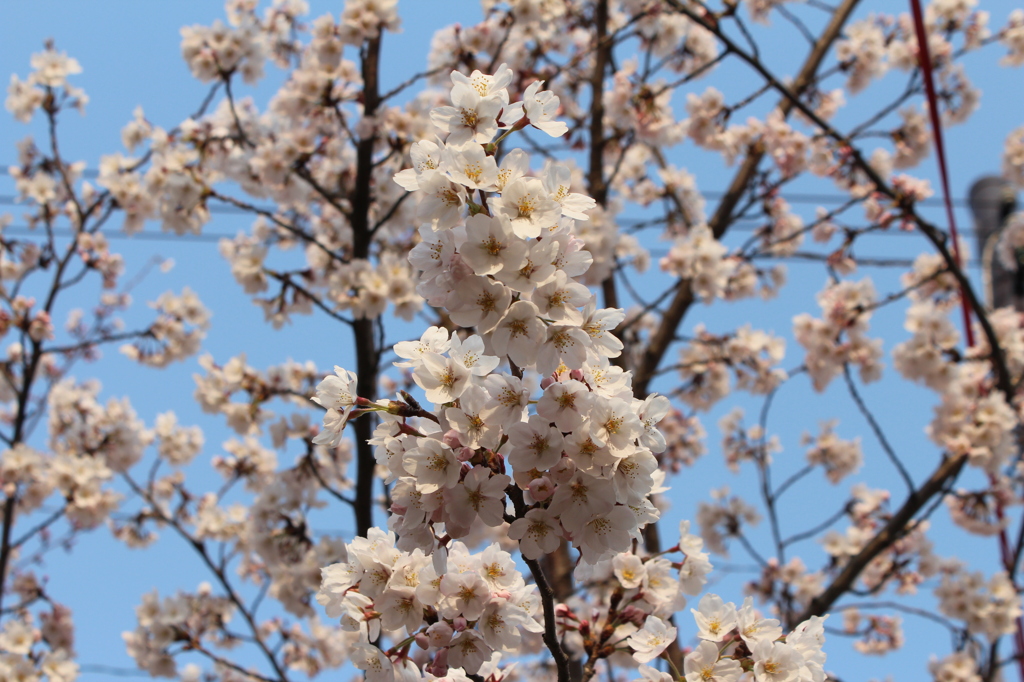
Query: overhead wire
751	224
793	198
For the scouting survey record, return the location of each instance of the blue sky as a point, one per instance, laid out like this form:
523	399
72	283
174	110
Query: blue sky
130	56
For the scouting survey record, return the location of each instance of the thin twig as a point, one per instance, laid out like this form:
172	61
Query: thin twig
797	537
876	429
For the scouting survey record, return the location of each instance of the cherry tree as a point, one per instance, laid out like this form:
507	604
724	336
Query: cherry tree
523	394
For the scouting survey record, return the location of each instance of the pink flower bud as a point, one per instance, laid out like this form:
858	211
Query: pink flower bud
460	623
545	382
465	454
541	488
439	666
422	641
576	374
633	615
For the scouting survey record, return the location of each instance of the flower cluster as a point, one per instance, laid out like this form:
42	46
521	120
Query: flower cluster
506	263
840	336
460	610
31	650
839	458
50	70
498	252
988	607
735	640
751	355
878	636
212	52
182	618
178	330
89	442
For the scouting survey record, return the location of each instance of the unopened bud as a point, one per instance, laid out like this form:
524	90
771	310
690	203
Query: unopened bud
541	488
407	397
633	615
422	641
439	666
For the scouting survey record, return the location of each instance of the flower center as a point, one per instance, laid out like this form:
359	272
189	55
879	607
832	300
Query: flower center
474	171
517	328
486	302
492	246
526	205
449	196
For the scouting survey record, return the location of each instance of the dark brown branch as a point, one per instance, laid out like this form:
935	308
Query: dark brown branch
367	350
893	530
547	597
662	338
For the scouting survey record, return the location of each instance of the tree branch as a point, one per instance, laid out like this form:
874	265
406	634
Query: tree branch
720	222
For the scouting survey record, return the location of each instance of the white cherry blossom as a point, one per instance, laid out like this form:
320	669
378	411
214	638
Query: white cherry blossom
540	108
650	641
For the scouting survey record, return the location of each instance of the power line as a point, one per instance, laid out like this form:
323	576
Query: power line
738	225
26	231
210	238
12	200
794	198
100	669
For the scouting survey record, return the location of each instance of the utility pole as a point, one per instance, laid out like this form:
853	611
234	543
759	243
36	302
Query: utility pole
992	200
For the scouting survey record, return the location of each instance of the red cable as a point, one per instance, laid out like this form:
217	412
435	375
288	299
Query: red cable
933	112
